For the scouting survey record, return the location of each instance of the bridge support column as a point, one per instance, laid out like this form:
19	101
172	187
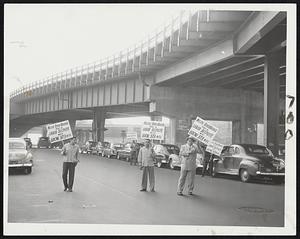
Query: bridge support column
72	125
172	129
98	125
271	102
236	129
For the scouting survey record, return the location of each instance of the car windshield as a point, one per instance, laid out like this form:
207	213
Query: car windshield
93	144
16	145
172	149
43	139
256	149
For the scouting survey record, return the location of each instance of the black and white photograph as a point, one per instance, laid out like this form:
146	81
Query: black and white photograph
149	119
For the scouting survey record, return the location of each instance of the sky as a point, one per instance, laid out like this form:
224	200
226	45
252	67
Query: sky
45	39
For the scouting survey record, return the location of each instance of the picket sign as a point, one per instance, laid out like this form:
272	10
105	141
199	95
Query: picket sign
203	131
131	135
214	147
59	131
153	130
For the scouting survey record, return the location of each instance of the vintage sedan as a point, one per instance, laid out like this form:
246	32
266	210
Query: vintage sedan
111	150
175	161
124	152
249	161
89	147
19	156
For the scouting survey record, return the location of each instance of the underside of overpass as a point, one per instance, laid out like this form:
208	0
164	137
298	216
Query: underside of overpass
232	62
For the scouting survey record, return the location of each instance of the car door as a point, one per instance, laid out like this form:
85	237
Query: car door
236	160
227	160
220	163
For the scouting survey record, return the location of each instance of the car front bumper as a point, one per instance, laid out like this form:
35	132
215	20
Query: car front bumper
269	174
19	165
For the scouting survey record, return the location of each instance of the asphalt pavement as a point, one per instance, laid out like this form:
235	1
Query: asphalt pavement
106	191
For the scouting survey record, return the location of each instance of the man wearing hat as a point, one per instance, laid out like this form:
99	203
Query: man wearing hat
70	153
188	153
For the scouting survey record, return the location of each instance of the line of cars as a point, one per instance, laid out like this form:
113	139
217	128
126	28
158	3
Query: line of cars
247	161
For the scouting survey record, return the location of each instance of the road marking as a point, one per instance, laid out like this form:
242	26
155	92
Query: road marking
40	205
109	187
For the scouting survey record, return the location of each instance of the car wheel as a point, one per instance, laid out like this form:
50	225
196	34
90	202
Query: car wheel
244	175
159	164
171	166
27	170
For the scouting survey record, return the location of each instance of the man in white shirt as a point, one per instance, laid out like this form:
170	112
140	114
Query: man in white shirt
188	154
70	153
146	160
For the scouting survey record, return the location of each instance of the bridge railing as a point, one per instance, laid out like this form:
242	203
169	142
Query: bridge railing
120	63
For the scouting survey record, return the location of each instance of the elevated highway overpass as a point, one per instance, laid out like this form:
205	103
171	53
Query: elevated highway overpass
220	65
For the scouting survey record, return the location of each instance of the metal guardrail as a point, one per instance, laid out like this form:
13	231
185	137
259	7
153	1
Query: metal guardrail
70	76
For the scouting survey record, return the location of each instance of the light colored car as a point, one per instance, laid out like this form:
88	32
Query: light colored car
175	161
19	156
111	150
249	161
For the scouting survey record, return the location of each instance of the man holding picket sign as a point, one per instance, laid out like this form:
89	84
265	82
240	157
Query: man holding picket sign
188	153
70	153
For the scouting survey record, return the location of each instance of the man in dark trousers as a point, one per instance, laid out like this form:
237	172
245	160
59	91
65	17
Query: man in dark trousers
70	153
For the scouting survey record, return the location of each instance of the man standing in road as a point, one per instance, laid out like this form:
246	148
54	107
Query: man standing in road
133	153
70	153
188	153
146	160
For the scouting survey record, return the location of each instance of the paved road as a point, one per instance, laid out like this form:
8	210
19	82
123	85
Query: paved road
107	191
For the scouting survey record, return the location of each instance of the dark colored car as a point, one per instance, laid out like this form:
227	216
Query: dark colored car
100	147
163	152
44	142
28	143
111	150
124	152
249	161
89	147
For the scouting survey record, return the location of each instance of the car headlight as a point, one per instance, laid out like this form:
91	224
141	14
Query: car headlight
28	157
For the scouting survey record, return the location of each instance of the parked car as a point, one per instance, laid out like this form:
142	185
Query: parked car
175	161
111	150
124	152
89	147
44	142
58	144
19	156
100	147
163	153
249	161
28	142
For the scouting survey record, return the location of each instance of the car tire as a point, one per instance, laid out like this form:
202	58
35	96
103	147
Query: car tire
159	164
244	175
28	170
171	166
